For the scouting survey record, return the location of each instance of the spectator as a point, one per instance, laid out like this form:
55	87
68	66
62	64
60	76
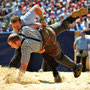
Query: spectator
18	11
7	22
78	26
53	8
4	28
88	20
86	23
9	29
61	16
81	49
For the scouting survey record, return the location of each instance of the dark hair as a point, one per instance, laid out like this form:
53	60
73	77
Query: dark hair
15	19
13	37
82	32
19	6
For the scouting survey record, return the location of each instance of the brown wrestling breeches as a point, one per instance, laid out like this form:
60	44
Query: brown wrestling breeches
50	44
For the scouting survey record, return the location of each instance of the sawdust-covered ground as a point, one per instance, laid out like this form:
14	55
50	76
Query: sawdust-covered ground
42	81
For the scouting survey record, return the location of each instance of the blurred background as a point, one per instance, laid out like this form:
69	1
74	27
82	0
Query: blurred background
53	11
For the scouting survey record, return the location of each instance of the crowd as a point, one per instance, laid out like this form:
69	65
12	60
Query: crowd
53	11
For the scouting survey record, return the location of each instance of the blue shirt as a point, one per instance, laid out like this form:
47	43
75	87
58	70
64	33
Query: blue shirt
28	18
82	43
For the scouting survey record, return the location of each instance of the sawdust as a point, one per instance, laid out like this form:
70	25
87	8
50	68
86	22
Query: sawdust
42	80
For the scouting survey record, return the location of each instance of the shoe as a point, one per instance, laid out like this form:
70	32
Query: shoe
77	70
57	79
80	12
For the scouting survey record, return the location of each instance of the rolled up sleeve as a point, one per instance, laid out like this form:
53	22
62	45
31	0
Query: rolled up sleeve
76	42
29	17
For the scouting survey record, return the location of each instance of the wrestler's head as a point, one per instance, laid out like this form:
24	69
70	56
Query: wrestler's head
16	23
14	40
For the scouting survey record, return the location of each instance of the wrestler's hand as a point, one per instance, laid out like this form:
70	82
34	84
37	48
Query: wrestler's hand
43	23
19	78
42	51
22	69
20	75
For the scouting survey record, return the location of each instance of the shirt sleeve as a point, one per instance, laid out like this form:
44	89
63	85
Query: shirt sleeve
29	17
26	54
76	41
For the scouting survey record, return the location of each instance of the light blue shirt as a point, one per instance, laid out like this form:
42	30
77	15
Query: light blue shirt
82	43
28	18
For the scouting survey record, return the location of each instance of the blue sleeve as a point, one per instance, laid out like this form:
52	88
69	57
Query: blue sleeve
76	41
29	17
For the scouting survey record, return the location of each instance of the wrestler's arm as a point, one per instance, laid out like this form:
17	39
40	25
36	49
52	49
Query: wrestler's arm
29	17
22	69
36	25
25	58
38	12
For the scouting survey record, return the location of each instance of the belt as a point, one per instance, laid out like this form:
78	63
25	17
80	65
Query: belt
40	30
